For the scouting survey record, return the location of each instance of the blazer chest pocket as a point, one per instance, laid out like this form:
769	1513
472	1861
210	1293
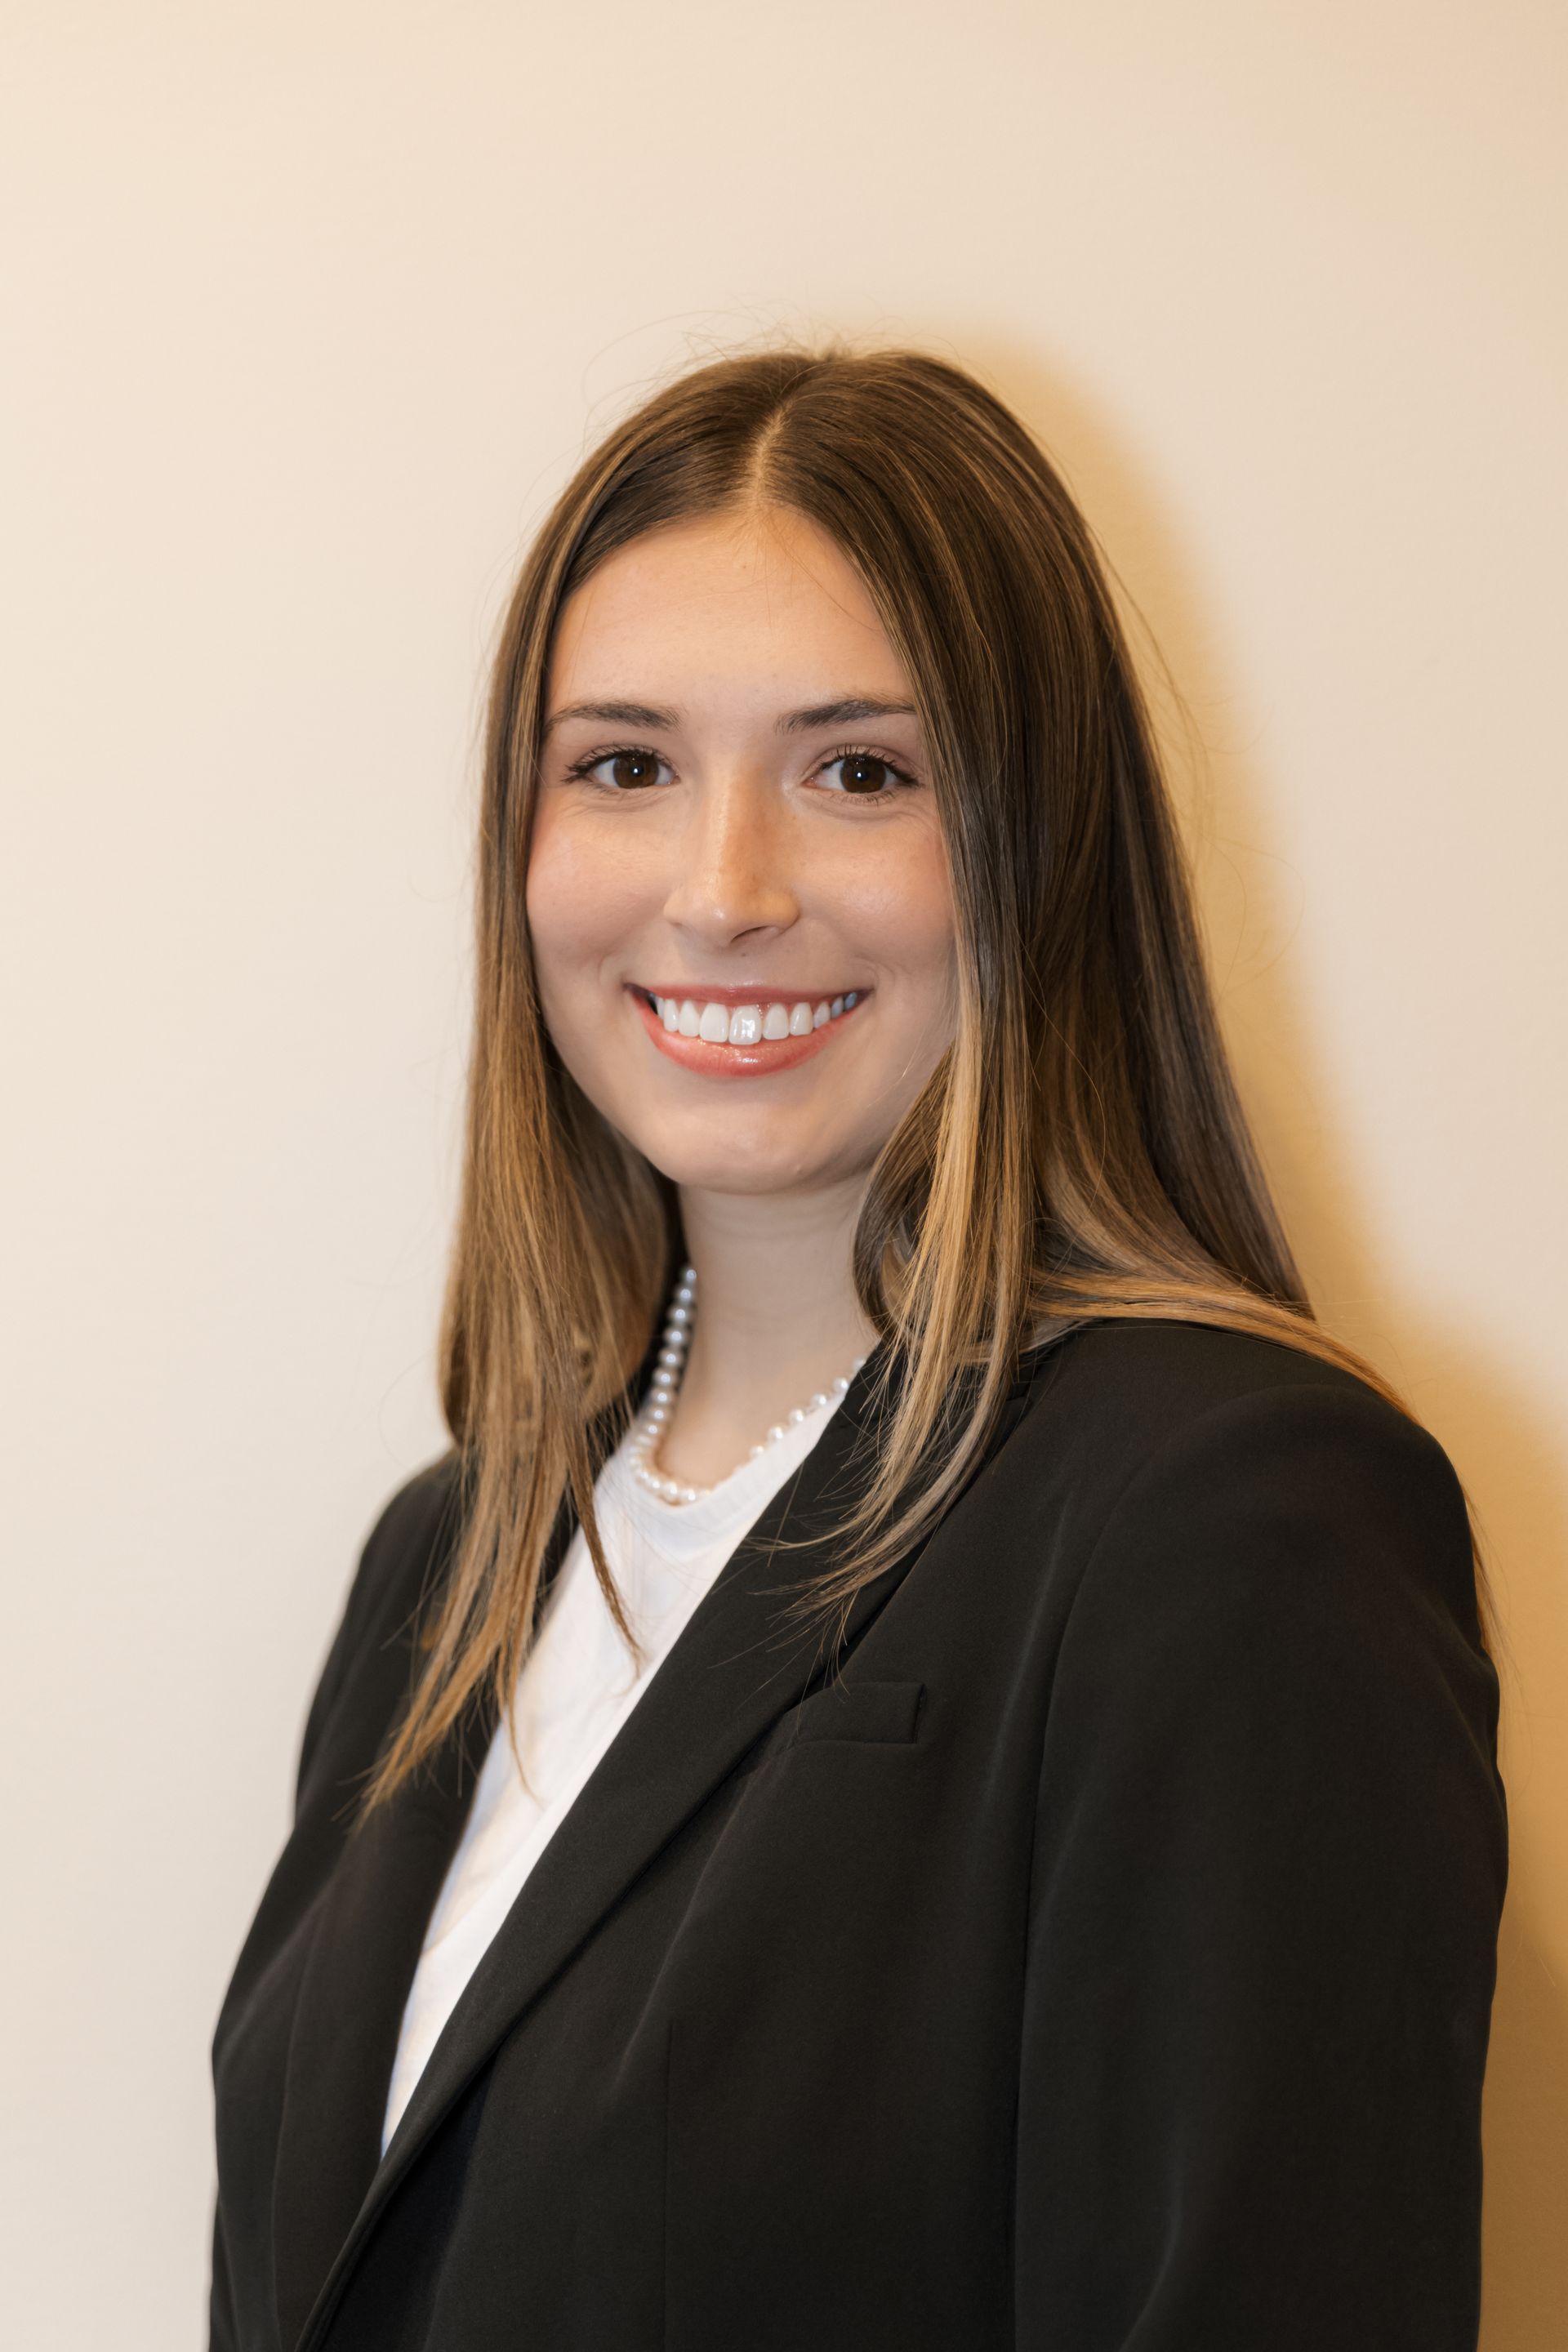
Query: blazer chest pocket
878	1715
886	1713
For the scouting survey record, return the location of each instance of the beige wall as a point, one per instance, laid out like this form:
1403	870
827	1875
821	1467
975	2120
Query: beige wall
311	308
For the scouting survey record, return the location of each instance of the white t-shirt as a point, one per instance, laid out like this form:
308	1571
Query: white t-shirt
578	1685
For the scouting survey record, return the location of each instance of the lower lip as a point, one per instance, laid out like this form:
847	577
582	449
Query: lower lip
714	1061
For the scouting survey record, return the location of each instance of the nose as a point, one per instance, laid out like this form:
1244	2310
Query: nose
733	882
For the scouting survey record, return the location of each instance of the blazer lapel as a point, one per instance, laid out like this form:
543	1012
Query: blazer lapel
733	1671
729	1676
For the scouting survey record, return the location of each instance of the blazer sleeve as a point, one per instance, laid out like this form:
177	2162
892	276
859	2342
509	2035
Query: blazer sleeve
1270	1864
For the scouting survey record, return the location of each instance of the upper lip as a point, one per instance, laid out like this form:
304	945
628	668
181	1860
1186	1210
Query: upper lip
757	992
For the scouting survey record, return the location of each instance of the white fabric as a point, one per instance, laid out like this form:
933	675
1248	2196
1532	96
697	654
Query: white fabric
578	1685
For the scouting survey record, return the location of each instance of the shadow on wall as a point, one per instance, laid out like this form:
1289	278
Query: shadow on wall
1251	900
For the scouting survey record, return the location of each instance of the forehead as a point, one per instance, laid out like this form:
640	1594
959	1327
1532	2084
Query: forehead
764	595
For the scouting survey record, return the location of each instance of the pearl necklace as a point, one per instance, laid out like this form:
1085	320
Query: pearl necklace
655	1414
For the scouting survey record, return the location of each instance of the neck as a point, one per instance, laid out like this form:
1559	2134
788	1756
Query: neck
776	1319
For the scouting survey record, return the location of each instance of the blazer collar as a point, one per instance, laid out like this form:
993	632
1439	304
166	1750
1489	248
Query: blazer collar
736	1667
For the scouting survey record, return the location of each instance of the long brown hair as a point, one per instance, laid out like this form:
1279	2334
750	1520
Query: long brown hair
1080	1151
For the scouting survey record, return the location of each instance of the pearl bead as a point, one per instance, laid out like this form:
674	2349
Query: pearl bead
669	1367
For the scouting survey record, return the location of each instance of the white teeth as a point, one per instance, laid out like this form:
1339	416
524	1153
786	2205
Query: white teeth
748	1025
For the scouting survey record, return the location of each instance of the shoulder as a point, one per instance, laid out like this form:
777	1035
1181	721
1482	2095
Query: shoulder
412	1533
1209	1465
366	1671
1148	1379
420	1513
1142	1390
1267	1655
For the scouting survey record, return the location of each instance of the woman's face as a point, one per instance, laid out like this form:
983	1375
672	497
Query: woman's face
737	887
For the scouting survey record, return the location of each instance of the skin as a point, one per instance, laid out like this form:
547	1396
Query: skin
718	841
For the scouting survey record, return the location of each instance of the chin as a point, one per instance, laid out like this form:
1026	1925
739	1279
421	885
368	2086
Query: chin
752	1165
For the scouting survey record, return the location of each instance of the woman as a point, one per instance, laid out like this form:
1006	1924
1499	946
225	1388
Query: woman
922	1774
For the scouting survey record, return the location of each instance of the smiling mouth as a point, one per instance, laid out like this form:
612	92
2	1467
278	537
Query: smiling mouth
735	1034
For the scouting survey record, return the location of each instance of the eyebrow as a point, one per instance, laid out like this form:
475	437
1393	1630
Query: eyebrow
615	714
845	712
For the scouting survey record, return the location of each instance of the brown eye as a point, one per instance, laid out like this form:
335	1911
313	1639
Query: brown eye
630	771
862	773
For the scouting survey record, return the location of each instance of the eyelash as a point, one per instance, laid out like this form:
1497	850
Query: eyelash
582	771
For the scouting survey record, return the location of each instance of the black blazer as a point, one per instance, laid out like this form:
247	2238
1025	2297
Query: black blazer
1104	1964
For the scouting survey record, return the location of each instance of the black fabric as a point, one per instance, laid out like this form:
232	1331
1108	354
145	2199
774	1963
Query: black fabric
1103	1963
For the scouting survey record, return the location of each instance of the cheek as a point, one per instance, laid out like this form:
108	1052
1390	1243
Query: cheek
582	899
899	906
